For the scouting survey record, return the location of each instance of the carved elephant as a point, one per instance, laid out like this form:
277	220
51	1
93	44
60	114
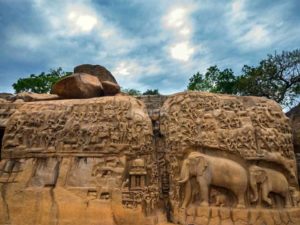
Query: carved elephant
210	170
270	181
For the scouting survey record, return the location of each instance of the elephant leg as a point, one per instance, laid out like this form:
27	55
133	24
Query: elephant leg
241	200
287	200
187	194
204	190
265	193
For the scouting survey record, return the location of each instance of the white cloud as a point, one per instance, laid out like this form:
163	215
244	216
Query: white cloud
246	28
176	18
179	26
182	51
82	22
257	36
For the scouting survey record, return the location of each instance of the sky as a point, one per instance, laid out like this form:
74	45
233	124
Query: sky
146	44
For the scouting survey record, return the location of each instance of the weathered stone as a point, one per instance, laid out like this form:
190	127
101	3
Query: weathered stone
96	70
110	88
118	160
78	85
294	115
5	96
31	97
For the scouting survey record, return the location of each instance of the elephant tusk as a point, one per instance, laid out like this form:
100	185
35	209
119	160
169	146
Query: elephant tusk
183	181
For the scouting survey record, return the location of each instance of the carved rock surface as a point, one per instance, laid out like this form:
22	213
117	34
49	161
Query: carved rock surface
96	70
31	97
78	85
119	160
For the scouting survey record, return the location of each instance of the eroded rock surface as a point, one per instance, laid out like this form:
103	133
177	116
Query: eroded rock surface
96	70
78	85
189	158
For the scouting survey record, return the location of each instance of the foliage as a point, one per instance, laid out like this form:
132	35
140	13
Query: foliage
131	91
151	92
41	83
277	77
214	80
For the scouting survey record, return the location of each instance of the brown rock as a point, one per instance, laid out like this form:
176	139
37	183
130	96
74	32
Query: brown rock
32	97
294	115
5	96
78	85
106	161
110	88
96	70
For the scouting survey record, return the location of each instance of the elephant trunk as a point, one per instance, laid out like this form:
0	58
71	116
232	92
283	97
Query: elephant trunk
184	174
253	186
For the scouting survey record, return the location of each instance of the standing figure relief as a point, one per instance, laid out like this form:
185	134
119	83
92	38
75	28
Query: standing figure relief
215	171
266	180
255	183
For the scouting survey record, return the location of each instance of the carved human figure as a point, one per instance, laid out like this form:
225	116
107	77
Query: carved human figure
269	180
295	195
210	170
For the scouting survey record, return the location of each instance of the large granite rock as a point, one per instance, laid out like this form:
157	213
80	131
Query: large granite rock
96	70
110	88
78	85
198	158
294	115
32	97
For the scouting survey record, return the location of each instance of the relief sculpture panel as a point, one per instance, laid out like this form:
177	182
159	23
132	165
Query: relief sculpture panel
191	158
228	154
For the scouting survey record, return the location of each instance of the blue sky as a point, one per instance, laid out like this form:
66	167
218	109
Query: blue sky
145	44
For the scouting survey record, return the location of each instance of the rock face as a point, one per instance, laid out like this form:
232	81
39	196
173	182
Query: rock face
32	97
294	115
96	70
189	158
110	88
78	85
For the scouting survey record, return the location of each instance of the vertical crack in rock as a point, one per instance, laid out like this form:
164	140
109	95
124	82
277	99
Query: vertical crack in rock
54	206
5	204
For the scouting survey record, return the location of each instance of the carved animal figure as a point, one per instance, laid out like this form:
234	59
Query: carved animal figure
270	181
216	171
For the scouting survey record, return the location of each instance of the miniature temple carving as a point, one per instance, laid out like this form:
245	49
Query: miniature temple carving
188	158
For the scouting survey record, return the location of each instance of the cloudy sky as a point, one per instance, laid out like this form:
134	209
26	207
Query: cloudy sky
144	43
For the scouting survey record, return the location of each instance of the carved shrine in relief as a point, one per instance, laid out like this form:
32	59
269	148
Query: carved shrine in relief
190	158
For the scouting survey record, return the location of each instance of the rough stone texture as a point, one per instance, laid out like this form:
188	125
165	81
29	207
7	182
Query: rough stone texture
110	88
294	115
96	70
32	97
117	161
78	85
5	95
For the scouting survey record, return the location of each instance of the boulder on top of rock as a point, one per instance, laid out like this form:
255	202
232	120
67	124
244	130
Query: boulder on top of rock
78	85
96	70
110	88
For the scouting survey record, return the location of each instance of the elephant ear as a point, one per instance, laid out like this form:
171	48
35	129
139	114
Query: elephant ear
261	176
202	165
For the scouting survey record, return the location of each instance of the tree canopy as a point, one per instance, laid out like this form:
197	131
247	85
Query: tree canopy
131	91
151	92
277	77
40	83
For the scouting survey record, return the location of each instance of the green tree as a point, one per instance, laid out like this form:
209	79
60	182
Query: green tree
131	91
41	83
151	92
277	78
214	80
